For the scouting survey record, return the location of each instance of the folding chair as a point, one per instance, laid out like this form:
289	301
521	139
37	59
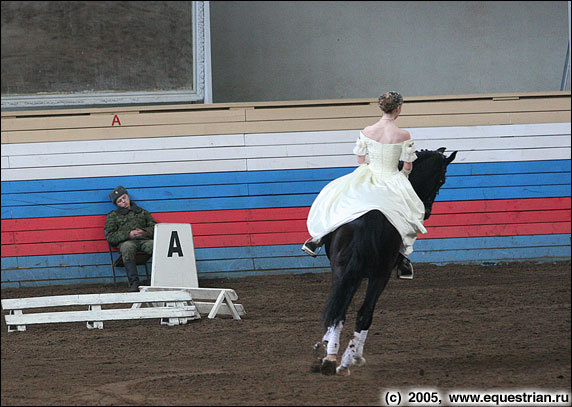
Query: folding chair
140	258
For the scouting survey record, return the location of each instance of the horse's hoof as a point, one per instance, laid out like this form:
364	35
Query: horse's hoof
316	365
358	362
318	349
328	367
342	371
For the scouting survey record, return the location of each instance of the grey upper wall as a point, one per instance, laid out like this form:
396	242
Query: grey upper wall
289	50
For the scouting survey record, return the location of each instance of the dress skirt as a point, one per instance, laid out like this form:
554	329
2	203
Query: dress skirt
350	196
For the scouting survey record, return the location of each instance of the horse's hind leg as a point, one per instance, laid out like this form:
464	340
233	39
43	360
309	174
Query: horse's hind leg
331	346
331	338
326	362
353	355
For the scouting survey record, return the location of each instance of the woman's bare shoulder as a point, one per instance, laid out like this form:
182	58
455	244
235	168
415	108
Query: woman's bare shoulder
386	135
369	130
404	135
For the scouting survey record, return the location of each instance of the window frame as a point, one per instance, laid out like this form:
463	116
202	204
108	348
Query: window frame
201	80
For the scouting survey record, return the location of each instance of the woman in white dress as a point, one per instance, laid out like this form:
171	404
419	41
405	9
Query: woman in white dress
375	184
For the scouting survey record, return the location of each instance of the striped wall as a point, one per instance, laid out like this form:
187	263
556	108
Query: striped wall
245	175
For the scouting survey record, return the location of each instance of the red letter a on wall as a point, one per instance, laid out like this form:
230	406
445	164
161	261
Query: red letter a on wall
115	120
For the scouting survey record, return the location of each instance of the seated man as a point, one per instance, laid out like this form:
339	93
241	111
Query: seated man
129	228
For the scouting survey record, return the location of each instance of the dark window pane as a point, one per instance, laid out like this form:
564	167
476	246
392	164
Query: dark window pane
96	46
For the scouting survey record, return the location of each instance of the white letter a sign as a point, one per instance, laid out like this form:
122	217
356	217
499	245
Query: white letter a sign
174	256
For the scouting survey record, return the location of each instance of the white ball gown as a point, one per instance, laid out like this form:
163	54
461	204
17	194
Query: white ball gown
375	185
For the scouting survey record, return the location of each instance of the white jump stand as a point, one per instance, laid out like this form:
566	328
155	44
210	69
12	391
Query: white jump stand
176	309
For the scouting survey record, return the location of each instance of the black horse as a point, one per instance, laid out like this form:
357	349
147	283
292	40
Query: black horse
368	247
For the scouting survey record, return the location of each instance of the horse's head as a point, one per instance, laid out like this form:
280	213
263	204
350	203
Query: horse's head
428	175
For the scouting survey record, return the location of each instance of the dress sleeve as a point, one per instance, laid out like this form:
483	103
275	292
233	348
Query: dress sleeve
360	147
408	152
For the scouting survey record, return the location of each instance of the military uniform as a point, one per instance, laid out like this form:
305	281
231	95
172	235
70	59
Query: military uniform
122	221
119	223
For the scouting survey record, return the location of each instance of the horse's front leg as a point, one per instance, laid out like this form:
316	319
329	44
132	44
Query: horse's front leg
353	355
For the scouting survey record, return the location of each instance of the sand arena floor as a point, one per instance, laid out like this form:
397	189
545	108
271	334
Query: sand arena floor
464	327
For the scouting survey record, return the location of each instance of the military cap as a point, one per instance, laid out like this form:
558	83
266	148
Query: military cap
117	192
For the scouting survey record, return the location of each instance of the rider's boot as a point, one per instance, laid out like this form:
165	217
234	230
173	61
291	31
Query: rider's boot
311	247
404	268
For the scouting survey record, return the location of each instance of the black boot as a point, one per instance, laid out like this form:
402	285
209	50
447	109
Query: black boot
404	268
132	277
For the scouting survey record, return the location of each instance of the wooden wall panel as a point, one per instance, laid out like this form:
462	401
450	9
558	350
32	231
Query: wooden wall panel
245	175
269	151
177	120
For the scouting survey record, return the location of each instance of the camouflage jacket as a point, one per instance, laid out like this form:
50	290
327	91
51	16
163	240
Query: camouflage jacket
121	221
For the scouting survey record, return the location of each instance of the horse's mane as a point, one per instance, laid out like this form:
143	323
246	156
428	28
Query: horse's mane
434	156
423	154
428	162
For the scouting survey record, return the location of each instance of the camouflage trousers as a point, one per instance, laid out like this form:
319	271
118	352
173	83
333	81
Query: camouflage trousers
129	248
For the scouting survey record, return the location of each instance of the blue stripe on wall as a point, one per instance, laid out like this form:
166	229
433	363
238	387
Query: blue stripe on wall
290	188
246	252
85	268
106	184
274	188
100	275
272	201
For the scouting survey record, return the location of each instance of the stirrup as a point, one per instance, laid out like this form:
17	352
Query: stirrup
409	273
309	251
404	276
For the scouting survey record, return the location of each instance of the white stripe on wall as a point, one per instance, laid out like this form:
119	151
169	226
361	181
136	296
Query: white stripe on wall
417	133
295	150
159	143
124	169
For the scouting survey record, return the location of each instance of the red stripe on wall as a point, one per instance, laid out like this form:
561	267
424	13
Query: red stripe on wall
46	249
195	217
496	230
491	218
501	205
265	239
66	222
253	227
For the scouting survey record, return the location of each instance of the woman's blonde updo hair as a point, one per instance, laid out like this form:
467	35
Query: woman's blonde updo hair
390	101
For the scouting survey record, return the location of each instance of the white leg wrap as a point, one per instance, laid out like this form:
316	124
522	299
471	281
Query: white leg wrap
349	354
353	354
361	342
334	338
326	337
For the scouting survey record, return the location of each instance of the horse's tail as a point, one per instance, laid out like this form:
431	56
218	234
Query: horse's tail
363	254
341	295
